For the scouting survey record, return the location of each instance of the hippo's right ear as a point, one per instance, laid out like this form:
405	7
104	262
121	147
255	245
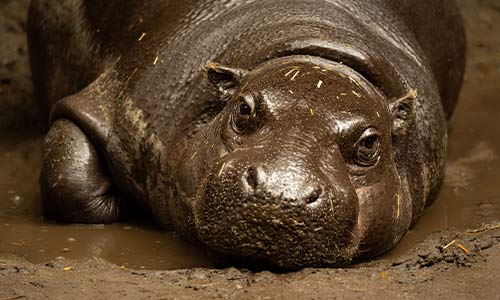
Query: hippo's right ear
403	113
225	79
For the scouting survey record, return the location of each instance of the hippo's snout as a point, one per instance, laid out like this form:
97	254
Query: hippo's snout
287	186
284	211
257	180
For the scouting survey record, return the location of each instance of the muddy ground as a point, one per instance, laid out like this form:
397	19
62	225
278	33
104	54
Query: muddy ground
452	262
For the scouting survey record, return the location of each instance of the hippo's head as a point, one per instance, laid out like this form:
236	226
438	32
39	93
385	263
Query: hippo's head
303	172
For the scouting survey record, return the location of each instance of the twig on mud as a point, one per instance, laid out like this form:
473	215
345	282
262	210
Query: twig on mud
461	247
458	245
13	297
449	244
484	228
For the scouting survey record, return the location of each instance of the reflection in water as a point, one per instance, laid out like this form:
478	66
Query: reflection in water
470	196
136	244
471	193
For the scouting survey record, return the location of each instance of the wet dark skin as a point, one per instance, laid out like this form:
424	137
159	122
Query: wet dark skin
290	133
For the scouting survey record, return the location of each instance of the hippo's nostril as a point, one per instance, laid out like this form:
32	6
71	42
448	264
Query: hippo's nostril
251	177
314	196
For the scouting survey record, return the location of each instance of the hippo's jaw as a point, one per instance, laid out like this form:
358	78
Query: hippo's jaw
307	177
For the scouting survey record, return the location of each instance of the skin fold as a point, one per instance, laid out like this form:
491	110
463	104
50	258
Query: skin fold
292	133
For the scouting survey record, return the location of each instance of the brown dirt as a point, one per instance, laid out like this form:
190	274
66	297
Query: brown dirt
436	268
17	109
466	269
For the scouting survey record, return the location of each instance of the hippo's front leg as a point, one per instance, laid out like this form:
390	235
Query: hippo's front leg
75	184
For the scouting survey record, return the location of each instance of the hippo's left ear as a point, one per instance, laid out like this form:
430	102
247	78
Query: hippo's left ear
403	112
225	79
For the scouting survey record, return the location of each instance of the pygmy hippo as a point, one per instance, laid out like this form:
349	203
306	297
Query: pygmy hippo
293	133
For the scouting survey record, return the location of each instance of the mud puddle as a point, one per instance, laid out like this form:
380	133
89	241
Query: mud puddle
136	244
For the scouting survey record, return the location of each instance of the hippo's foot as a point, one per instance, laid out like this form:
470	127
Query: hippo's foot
74	182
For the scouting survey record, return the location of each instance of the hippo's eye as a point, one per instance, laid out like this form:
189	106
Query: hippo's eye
245	109
244	114
367	148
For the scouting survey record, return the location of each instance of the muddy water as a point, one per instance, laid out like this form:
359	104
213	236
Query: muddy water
471	191
135	245
470	196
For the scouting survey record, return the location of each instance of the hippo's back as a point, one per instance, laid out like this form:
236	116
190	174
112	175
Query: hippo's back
439	30
73	41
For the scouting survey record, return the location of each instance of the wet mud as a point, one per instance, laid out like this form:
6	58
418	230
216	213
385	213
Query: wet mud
135	244
452	252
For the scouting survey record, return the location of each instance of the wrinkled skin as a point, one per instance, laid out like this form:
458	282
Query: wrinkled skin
317	138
